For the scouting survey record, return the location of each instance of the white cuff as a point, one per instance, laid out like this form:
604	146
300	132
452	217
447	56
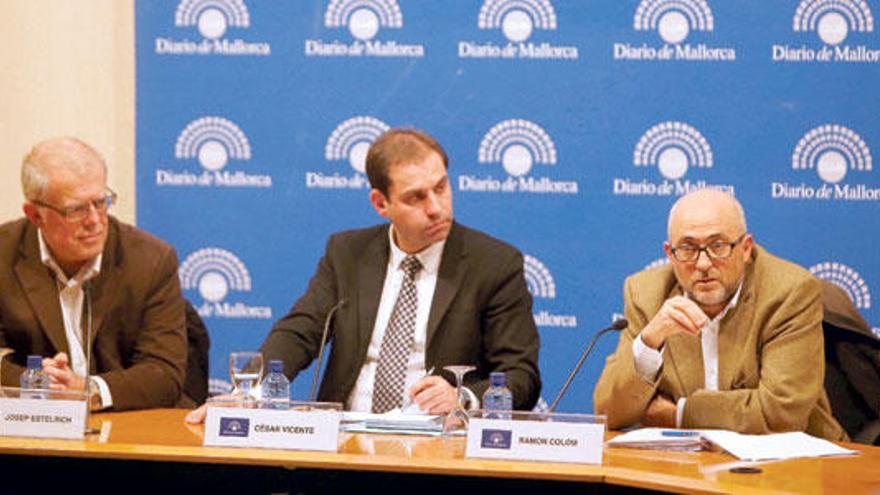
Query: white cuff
679	411
104	390
647	361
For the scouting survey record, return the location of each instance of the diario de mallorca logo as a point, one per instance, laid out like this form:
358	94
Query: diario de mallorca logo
674	148
542	286
518	145
212	142
212	19
847	279
674	21
517	20
831	152
363	19
348	143
215	273
832	21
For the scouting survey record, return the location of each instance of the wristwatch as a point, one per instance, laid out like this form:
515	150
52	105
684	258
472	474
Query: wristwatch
95	401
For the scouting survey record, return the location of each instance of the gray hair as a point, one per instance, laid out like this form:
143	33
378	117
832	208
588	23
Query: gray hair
64	152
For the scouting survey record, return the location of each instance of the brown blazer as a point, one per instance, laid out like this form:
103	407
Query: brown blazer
771	361
139	340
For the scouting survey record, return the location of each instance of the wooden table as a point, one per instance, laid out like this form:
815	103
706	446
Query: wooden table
161	436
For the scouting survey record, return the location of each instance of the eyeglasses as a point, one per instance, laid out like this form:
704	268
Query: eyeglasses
718	250
78	213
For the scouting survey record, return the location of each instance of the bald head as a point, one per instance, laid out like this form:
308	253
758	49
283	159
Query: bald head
705	206
66	156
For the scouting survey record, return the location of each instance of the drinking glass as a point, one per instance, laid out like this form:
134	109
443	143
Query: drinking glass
245	370
456	422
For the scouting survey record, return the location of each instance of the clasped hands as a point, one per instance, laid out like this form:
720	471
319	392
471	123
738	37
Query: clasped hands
61	375
677	315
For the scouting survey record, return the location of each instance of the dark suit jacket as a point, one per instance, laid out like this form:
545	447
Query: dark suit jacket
852	366
770	357
481	313
139	341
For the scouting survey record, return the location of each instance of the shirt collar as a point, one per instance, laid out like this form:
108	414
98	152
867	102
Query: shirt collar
87	272
428	257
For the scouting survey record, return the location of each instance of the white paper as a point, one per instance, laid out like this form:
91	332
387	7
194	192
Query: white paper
776	446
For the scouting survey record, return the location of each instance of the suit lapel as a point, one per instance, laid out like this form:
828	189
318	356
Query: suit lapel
731	335
449	279
40	289
370	280
104	287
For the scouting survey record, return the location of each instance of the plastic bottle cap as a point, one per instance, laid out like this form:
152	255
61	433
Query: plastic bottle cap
276	366
34	362
497	379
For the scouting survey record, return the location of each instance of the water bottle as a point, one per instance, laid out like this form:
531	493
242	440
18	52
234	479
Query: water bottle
34	378
276	387
498	399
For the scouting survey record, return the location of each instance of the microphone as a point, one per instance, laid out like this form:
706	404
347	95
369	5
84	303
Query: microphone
327	321
617	326
87	290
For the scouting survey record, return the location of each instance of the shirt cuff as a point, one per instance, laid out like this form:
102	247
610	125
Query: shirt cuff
104	390
647	361
679	411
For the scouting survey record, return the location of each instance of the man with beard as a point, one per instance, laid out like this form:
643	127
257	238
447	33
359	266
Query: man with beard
726	336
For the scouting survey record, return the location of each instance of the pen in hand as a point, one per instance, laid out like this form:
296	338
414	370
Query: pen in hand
410	407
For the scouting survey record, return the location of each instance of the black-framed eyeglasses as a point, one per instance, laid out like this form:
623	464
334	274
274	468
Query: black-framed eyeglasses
716	250
78	213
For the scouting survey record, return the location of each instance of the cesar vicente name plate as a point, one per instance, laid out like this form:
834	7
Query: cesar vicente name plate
536	437
298	428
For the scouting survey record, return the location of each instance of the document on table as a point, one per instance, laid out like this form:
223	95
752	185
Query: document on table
775	446
392	422
660	439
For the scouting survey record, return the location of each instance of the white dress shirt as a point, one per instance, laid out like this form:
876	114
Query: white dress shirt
70	296
361	398
649	361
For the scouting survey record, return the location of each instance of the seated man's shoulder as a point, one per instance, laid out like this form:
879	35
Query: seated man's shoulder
138	245
354	240
652	284
780	275
484	245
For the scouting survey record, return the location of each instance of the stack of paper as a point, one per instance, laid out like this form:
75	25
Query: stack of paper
392	422
660	439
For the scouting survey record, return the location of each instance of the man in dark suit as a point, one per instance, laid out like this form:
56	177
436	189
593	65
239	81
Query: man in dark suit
478	309
421	293
69	263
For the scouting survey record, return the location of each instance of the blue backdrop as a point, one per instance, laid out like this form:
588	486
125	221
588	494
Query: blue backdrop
571	126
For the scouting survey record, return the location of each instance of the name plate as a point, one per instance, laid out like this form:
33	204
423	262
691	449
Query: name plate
535	441
43	418
273	429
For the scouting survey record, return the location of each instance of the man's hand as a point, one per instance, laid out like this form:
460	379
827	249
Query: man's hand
660	412
678	314
434	395
197	415
61	376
